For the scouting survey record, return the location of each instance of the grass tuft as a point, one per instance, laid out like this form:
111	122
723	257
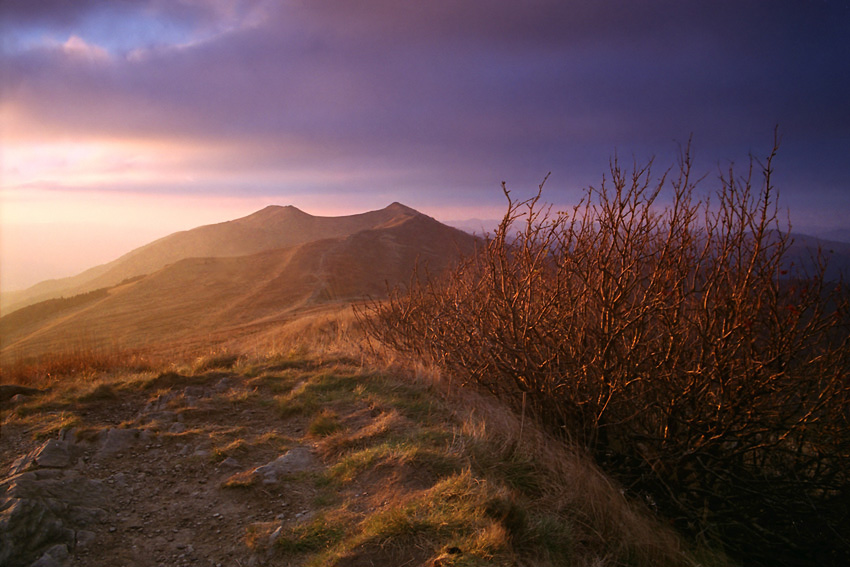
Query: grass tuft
314	535
215	361
324	424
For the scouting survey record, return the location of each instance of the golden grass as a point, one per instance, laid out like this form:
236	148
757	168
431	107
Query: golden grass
417	470
79	363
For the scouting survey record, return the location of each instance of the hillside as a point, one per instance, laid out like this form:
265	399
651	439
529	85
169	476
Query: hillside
271	228
290	458
195	301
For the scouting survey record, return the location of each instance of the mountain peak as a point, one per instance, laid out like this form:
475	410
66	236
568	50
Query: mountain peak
271	210
396	206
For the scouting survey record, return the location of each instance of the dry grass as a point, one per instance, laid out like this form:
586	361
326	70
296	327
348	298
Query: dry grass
611	528
78	363
413	470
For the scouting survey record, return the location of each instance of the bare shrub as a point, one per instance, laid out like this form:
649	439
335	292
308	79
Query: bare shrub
674	342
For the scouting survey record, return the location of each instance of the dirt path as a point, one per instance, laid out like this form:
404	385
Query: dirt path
155	463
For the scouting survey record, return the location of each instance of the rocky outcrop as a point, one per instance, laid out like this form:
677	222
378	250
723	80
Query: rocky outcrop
45	509
47	506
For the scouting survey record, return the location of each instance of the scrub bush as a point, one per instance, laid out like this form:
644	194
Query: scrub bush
671	337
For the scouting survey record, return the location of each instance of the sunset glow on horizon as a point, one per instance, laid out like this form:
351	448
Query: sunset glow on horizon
121	122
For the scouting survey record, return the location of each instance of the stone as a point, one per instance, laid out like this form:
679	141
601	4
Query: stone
46	561
120	480
229	463
22	463
54	453
117	440
85	538
9	391
162	416
58	552
27	526
295	460
87	515
195	391
41	509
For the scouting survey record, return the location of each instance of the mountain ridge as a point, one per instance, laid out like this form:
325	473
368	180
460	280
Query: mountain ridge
191	298
274	226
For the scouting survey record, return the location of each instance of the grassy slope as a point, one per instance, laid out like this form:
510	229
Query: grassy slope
195	301
268	229
404	475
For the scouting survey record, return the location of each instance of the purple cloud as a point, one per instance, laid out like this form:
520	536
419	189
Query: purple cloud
431	96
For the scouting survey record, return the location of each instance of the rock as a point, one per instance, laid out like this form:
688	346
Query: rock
195	392
160	403
41	509
229	463
47	561
85	538
27	526
9	391
23	463
86	515
117	440
120	480
177	428
58	552
53	453
295	460
162	417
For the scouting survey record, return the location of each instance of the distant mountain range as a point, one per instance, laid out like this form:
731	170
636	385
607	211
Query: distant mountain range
228	277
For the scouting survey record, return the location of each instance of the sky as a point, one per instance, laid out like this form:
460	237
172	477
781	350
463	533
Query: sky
122	121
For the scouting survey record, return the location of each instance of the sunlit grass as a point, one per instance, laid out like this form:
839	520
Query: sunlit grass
402	474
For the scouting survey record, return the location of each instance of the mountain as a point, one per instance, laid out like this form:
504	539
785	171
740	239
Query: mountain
233	278
479	227
803	252
268	229
833	234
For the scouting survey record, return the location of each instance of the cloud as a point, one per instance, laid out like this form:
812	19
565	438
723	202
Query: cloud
339	106
78	48
449	91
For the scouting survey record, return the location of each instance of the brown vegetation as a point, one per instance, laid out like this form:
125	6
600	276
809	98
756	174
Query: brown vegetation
397	473
672	343
46	370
